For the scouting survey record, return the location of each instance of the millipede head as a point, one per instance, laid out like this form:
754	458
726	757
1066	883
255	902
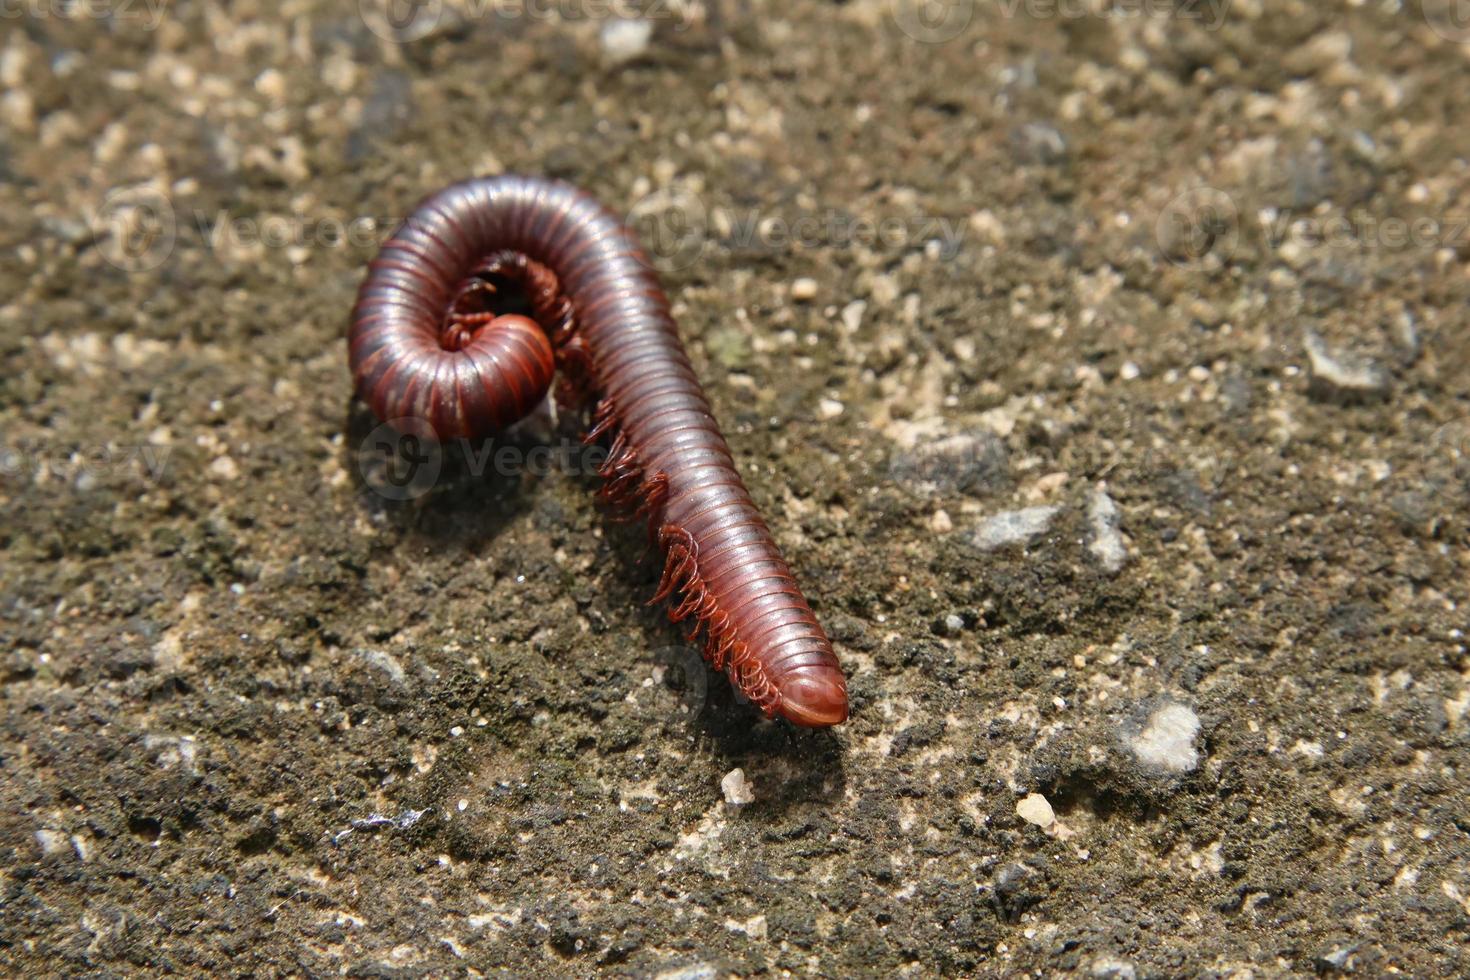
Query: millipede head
813	697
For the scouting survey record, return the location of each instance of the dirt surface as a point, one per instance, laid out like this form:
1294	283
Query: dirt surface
1119	440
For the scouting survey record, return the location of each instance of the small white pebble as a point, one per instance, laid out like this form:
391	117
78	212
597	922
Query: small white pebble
830	408
271	84
1341	371
1106	542
804	289
1036	809
1129	371
54	842
224	467
18	111
456	731
1108	968
1012	527
737	789
941	523
624	38
1311	750
1167	741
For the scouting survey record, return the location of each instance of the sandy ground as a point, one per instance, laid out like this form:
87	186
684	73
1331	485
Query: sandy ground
1119	438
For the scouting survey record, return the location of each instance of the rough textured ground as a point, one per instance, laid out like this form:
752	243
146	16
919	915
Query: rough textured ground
1210	288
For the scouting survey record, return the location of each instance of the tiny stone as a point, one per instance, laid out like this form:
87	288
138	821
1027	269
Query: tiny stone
625	38
965	463
804	289
1108	968
224	467
755	927
1013	527
385	662
1405	332
954	623
1107	543
1036	809
829	408
271	84
1167	741
737	789
1342	373
1129	371
18	111
694	971
941	523
988	226
885	290
1039	142
52	842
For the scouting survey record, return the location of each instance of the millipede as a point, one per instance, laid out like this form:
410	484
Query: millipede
432	342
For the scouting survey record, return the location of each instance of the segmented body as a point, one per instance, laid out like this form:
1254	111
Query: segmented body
426	343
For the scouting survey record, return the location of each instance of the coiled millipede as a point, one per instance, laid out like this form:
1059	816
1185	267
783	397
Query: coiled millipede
427	344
